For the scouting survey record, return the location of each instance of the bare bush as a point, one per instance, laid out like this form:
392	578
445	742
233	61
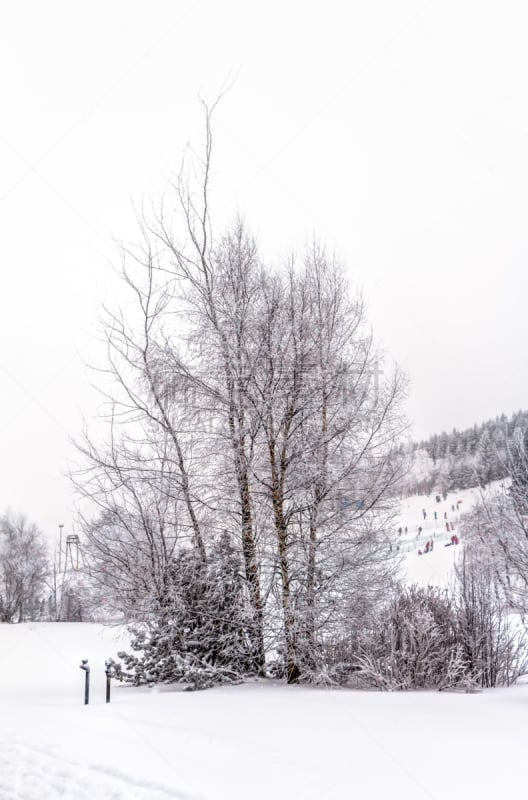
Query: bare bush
415	646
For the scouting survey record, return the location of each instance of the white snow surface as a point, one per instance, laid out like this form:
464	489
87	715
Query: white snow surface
259	741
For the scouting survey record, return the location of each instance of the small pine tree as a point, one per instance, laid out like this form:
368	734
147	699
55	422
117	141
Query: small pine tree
201	632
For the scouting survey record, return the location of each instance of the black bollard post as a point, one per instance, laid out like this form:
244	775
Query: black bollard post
108	673
84	665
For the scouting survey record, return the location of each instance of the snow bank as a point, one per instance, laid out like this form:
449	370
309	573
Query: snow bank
262	741
30	772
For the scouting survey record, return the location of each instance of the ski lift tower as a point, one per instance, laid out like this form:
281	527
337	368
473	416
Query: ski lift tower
73	552
73	559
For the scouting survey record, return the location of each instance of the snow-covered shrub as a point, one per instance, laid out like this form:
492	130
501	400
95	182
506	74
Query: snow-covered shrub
432	638
200	634
414	644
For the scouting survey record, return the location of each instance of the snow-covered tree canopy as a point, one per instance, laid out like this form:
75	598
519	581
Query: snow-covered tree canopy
247	400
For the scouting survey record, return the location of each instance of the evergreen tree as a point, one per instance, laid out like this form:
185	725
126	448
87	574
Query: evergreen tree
487	467
468	474
202	632
518	468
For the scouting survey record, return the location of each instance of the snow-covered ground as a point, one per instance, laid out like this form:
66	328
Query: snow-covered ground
263	740
259	741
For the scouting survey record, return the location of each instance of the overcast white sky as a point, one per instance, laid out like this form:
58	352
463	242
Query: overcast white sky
395	130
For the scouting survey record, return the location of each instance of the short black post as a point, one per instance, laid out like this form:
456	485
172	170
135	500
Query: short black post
84	665
108	673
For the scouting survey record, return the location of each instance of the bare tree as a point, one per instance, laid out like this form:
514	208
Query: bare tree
23	568
494	644
132	539
498	526
326	431
217	284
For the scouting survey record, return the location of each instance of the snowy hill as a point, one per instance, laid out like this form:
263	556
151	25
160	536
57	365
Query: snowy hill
261	741
436	566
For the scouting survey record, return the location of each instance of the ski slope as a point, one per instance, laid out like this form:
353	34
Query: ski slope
263	741
435	567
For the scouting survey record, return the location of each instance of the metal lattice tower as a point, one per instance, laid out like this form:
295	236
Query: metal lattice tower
71	560
73	552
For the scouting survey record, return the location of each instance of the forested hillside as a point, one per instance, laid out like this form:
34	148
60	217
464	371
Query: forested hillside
462	459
